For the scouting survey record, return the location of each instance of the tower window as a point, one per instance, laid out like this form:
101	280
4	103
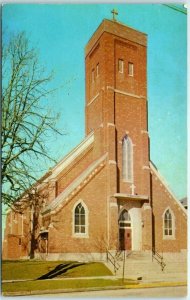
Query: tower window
127	159
130	69
93	75
97	70
120	65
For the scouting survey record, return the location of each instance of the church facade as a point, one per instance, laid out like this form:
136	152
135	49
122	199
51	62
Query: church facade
106	194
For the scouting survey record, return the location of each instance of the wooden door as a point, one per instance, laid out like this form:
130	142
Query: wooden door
125	238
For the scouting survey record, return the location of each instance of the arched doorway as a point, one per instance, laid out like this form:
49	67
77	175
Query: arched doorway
125	234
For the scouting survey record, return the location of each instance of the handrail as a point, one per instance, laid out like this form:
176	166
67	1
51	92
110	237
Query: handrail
159	258
113	261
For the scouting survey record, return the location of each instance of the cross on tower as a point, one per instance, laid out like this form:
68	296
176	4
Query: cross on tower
115	13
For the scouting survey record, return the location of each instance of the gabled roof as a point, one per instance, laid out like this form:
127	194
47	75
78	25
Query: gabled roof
78	183
66	160
154	169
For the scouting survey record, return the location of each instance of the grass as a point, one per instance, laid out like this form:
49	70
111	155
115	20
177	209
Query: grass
54	273
38	285
14	270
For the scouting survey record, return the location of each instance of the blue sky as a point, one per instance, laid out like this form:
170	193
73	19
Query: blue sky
60	33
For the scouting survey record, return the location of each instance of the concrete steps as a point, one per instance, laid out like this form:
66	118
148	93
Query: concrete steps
140	265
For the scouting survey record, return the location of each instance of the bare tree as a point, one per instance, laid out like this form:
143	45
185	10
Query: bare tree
25	120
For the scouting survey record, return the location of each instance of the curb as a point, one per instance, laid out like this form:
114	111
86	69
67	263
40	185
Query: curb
134	286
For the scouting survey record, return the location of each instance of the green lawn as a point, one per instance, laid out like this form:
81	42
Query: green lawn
52	272
13	270
44	285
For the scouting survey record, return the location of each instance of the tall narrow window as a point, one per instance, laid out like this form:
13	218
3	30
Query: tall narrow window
130	69
120	65
127	159
80	222
168	224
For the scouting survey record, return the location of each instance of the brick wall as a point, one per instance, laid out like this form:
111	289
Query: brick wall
61	237
161	200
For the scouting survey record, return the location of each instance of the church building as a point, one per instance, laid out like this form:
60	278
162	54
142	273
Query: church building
106	194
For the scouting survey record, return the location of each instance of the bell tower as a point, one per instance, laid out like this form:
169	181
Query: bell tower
116	103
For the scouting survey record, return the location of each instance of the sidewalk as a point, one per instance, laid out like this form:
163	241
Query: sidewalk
62	278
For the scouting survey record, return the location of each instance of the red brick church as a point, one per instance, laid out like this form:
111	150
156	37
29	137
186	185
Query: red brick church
105	194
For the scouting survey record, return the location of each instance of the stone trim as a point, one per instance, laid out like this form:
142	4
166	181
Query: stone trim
113	204
93	99
75	186
110	124
146	168
112	162
72	155
131	197
144	131
167	187
125	93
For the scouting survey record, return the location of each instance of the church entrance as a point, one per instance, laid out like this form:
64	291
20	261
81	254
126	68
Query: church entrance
125	231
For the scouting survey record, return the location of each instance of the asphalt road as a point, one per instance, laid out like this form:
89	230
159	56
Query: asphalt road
163	292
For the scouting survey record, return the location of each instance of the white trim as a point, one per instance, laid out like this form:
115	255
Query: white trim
169	237
125	93
167	188
110	124
113	204
131	197
93	99
112	162
146	168
56	204
71	156
144	131
80	235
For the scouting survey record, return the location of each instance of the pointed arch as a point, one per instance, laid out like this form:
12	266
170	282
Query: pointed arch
124	219
127	159
168	224
80	219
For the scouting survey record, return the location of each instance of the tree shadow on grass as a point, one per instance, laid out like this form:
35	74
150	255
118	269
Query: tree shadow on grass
60	269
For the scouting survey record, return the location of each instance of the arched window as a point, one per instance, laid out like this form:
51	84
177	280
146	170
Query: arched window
168	224
80	219
127	159
124	219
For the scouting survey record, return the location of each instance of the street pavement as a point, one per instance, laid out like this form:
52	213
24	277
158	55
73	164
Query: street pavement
161	292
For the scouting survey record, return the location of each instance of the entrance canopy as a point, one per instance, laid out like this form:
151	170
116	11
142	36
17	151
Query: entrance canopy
124	196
